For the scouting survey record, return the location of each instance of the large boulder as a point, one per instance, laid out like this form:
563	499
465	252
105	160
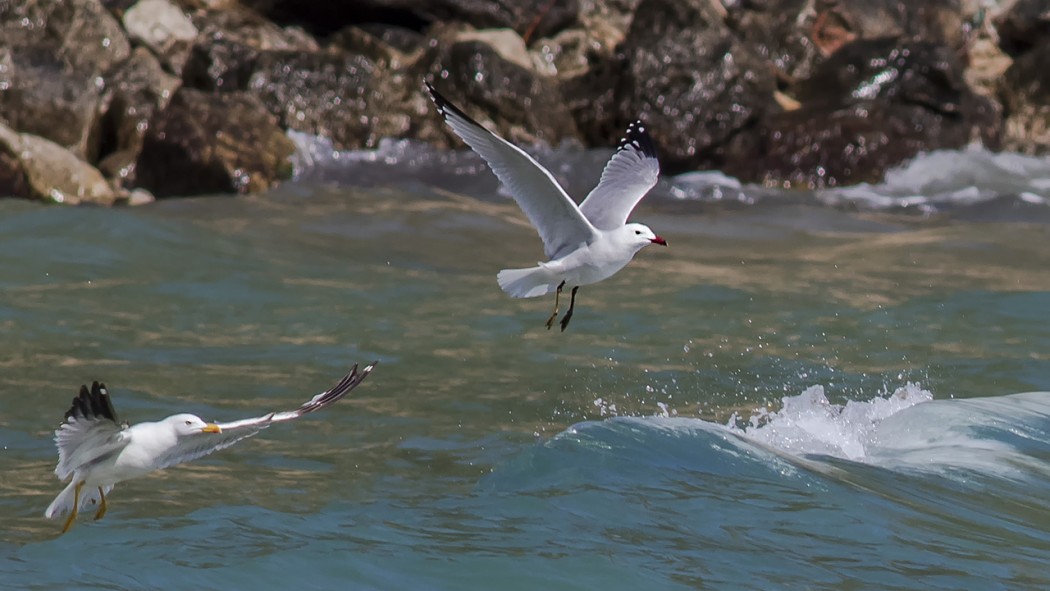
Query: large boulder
239	24
164	28
351	98
80	32
501	89
813	147
213	143
343	97
37	168
1022	26
691	80
1025	93
136	90
218	64
46	96
781	32
13	182
871	106
52	53
838	22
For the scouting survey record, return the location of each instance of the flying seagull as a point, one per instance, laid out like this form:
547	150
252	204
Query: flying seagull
97	451
586	243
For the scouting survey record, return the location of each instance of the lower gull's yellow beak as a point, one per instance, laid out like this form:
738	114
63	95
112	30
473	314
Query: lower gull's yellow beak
211	428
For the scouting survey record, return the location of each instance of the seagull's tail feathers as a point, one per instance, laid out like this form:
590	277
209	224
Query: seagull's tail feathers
63	503
527	283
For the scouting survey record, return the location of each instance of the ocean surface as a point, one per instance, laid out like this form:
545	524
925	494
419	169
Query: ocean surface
844	389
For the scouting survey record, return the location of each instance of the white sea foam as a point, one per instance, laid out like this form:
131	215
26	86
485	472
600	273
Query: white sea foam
809	424
952	177
909	430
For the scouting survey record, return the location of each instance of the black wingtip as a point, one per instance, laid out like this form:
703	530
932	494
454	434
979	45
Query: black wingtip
439	99
445	106
93	403
350	381
638	138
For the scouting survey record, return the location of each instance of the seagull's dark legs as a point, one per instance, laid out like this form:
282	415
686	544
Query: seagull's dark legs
554	314
102	505
76	507
572	304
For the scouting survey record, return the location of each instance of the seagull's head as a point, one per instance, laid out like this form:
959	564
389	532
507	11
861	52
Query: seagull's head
640	236
187	424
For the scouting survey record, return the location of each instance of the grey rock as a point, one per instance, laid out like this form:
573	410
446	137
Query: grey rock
516	101
47	96
213	143
52	55
239	24
400	38
691	80
136	90
838	22
164	28
780	32
81	33
13	182
341	96
1022	26
37	168
220	65
871	106
1025	93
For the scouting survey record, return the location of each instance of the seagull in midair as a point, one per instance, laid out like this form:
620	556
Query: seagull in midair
96	451
586	243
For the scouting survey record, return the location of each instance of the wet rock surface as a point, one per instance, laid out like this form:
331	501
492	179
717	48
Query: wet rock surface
679	54
205	143
185	97
37	168
871	106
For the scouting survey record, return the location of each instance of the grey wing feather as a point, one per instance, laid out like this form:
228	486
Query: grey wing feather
554	214
628	176
88	432
202	444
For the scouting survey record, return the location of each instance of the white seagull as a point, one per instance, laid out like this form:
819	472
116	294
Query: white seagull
586	243
97	451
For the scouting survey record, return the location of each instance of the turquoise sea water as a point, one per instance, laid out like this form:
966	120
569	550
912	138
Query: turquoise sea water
868	360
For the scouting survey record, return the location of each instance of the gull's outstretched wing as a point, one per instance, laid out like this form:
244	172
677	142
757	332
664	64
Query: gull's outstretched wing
554	214
88	432
202	444
627	177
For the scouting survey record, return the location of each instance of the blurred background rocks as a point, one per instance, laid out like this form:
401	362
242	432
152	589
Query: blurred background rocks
110	101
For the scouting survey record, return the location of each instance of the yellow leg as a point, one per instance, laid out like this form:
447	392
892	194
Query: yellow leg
102	506
76	507
554	314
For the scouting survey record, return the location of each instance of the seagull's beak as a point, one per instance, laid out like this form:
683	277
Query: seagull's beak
211	428
659	240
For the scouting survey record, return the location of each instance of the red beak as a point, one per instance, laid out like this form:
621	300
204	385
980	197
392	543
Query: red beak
659	240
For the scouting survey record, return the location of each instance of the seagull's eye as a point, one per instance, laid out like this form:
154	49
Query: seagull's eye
188	423
638	232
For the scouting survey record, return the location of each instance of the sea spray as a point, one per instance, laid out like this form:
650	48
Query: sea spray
809	424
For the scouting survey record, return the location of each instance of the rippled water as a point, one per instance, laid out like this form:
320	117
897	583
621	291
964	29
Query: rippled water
804	391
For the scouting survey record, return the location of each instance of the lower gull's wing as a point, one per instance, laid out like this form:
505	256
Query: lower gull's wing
630	173
202	444
88	432
554	214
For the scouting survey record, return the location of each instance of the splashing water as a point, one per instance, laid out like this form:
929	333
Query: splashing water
810	424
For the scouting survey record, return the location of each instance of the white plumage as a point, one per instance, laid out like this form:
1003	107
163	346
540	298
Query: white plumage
95	451
586	243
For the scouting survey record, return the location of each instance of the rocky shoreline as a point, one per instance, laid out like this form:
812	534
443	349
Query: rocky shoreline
124	101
